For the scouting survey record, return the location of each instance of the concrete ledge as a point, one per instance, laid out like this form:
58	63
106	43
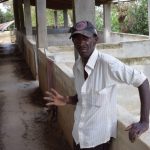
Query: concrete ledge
131	49
42	70
124	37
65	85
122	142
31	56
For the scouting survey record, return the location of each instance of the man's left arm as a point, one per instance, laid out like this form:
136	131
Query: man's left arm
136	129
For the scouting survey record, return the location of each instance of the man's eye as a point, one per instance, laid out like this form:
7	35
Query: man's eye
74	40
85	39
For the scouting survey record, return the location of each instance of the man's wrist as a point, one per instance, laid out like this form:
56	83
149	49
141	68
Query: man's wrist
67	99
144	121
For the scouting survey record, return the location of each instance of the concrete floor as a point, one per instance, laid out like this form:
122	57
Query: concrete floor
24	125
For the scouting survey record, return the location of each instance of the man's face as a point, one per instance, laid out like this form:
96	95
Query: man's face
84	45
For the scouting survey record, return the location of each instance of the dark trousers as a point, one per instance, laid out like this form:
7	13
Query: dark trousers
104	146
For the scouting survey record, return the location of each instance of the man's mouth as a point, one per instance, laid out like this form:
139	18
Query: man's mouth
83	49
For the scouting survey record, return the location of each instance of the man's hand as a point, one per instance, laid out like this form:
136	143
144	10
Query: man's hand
136	129
54	98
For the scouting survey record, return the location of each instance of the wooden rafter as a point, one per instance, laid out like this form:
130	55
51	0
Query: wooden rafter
67	4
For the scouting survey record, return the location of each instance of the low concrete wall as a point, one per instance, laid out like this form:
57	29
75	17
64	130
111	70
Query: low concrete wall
125	37
64	84
31	56
42	70
117	37
62	39
20	41
59	39
27	46
133	51
122	142
53	73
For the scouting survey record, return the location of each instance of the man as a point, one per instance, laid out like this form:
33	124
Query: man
96	75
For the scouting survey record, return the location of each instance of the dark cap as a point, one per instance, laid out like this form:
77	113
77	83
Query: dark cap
85	28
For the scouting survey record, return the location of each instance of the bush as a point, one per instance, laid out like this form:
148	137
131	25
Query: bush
137	20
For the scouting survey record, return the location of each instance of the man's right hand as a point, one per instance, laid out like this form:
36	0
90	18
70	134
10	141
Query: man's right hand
54	98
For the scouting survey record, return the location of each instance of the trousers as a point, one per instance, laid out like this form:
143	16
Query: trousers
104	146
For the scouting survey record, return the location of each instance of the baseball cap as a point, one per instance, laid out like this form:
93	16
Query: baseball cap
85	28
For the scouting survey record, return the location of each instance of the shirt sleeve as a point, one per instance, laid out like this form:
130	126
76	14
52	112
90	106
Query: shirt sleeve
123	73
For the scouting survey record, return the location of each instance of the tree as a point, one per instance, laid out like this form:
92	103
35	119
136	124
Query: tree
8	15
137	20
115	26
99	18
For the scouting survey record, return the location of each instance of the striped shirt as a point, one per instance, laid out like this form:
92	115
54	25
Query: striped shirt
96	111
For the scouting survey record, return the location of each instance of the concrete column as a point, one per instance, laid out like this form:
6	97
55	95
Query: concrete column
16	14
21	16
27	15
107	21
149	16
41	24
84	10
65	18
56	18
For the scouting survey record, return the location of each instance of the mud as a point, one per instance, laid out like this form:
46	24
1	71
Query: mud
24	122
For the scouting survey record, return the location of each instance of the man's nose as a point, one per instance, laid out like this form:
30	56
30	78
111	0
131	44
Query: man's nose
82	42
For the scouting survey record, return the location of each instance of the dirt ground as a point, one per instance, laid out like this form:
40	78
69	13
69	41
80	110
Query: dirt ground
6	37
24	123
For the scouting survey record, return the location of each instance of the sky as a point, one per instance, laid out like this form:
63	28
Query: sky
2	7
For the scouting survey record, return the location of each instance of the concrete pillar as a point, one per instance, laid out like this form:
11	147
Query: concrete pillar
107	21
27	15
65	18
21	16
41	24
16	14
84	10
149	16
56	18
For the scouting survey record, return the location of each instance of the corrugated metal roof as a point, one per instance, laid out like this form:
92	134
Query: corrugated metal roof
1	1
4	26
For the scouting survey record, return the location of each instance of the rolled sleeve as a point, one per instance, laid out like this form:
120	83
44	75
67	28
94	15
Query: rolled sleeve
139	78
123	73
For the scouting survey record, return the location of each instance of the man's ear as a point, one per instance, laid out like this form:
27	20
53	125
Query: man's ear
96	39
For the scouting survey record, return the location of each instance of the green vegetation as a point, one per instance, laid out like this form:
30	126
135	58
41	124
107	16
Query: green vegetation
128	17
99	18
137	20
6	16
115	26
49	17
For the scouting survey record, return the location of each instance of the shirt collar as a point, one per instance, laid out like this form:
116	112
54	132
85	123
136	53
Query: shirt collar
79	65
90	64
92	60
